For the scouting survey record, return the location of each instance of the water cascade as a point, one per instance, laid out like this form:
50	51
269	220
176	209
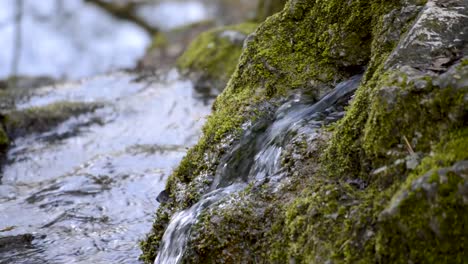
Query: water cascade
256	158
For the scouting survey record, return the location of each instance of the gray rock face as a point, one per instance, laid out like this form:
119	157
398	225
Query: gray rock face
438	38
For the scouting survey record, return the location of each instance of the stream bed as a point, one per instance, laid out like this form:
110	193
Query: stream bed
84	191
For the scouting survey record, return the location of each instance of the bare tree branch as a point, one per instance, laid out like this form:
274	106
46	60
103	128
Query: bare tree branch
126	12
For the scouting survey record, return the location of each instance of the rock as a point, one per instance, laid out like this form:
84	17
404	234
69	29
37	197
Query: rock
422	223
352	199
168	46
163	197
15	242
16	88
26	82
212	57
413	161
437	39
19	123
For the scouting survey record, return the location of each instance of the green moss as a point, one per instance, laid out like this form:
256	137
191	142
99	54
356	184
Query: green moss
159	41
308	45
230	235
452	148
428	214
285	54
4	141
311	45
334	221
390	109
214	54
148	245
40	119
431	114
464	62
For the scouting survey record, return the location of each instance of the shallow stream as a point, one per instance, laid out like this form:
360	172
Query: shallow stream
86	189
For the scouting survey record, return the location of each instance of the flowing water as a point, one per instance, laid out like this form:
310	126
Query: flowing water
178	230
256	157
86	189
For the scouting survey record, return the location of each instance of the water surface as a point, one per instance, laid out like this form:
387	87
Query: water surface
86	189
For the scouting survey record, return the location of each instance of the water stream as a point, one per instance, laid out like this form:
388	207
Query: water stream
256	157
86	189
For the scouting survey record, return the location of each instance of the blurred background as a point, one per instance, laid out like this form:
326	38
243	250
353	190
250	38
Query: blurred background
71	39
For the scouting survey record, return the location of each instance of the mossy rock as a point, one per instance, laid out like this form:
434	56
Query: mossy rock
307	46
166	47
16	88
392	214
212	57
4	144
12	90
426	221
19	123
35	120
406	120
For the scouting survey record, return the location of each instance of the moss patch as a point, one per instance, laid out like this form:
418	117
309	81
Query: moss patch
166	47
212	57
308	45
426	219
40	119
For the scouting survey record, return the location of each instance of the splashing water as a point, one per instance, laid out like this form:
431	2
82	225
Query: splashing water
177	233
